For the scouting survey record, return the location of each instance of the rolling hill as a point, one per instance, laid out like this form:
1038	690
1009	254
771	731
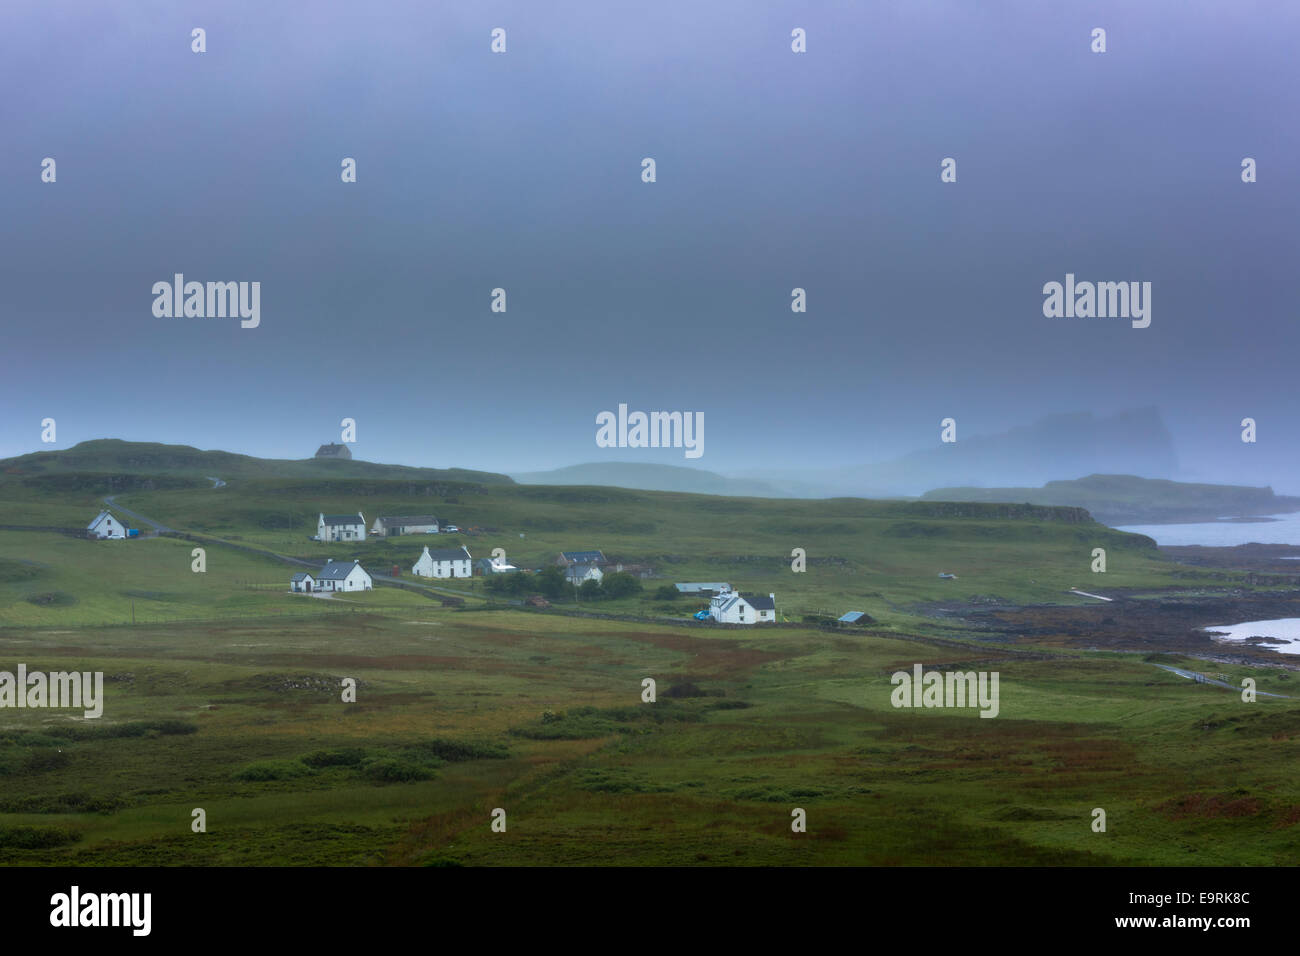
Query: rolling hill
113	456
651	477
1127	499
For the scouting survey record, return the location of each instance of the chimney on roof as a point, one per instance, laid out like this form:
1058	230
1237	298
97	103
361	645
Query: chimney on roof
773	597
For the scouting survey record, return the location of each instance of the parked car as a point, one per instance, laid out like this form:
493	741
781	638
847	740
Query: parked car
450	529
701	615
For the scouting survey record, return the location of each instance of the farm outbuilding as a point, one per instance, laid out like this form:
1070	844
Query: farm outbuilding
702	587
393	525
302	582
856	617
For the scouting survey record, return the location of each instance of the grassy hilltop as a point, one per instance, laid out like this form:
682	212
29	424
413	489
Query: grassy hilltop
116	457
225	693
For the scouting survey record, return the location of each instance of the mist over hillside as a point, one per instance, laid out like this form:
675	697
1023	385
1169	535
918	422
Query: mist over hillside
1134	442
650	477
1129	459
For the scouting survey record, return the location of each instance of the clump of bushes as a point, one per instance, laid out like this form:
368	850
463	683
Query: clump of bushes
37	838
396	770
64	803
455	751
132	728
345	757
264	770
51	599
40	761
583	723
402	764
690	689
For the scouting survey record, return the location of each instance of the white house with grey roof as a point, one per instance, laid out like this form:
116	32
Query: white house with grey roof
443	563
392	525
341	527
106	526
582	573
302	582
732	607
343	576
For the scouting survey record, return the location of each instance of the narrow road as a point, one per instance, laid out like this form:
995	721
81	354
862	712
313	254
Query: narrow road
138	517
1202	679
1086	594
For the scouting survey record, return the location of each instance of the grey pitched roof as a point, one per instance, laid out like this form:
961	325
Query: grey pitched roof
343	519
447	554
401	520
760	602
852	616
337	570
726	603
582	557
99	517
690	587
302	576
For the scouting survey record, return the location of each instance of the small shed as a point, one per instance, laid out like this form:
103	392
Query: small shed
703	588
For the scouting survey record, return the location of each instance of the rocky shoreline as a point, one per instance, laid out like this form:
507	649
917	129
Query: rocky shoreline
1171	621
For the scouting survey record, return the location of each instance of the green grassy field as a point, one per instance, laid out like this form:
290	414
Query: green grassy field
288	773
228	698
879	557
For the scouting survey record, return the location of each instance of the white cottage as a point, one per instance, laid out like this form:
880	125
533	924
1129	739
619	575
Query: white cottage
343	576
443	563
581	573
303	582
392	525
732	607
105	526
341	527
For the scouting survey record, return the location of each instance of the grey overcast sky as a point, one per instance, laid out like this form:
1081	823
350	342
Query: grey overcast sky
522	170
